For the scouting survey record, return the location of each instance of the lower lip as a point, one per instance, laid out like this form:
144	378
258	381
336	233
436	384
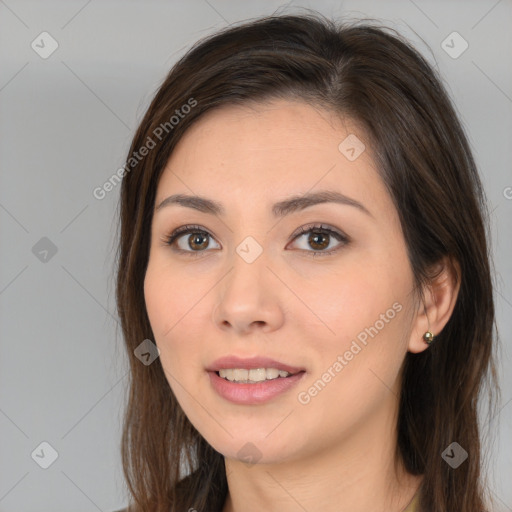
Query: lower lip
251	394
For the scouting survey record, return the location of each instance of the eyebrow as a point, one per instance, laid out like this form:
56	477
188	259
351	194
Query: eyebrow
280	209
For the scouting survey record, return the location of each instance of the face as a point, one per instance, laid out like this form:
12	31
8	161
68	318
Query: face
323	289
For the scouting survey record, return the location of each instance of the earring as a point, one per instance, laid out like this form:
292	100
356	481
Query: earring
428	337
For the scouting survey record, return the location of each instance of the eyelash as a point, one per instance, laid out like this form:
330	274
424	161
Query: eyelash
313	228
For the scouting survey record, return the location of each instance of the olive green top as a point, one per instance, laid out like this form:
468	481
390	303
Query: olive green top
413	506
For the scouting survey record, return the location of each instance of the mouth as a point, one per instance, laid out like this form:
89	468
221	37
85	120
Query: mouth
254	369
254	380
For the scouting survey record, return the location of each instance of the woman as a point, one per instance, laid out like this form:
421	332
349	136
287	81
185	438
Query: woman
303	280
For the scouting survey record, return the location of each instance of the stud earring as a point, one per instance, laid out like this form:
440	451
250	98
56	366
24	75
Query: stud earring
428	337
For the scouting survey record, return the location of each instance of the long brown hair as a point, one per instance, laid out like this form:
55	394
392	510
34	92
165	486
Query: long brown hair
373	76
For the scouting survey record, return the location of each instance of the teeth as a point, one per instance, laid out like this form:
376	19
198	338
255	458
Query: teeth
251	376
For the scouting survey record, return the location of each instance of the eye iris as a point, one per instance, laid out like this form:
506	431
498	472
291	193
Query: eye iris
313	238
195	237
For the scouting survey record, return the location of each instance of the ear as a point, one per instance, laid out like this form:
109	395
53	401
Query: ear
440	296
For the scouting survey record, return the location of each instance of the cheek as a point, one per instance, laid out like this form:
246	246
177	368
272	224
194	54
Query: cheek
353	299
177	316
159	303
364	321
171	297
358	371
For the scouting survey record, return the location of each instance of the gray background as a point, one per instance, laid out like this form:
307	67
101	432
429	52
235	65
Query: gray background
65	127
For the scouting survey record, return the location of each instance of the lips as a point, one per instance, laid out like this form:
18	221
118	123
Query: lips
256	393
251	363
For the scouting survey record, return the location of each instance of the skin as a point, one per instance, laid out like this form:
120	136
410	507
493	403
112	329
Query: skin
337	452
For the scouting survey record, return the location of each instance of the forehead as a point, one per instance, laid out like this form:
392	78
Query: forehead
274	148
273	126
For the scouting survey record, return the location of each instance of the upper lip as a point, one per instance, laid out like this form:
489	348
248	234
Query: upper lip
251	363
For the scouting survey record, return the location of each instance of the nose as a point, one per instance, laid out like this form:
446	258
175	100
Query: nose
249	298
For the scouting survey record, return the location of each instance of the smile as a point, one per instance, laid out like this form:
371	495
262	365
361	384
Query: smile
252	376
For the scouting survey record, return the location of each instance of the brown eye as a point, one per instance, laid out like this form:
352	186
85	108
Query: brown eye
320	240
189	239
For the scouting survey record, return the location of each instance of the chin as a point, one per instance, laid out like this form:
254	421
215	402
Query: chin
254	449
